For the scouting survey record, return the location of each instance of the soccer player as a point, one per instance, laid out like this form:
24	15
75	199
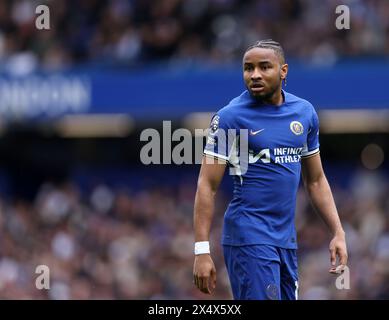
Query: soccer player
259	237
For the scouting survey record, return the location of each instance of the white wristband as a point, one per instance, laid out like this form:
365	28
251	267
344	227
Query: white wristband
201	247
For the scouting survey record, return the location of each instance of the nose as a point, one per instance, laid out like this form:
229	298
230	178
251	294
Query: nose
256	75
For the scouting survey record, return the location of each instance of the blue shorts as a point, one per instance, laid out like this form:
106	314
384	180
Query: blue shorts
262	272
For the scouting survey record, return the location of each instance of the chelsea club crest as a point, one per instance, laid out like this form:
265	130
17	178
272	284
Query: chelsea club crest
296	127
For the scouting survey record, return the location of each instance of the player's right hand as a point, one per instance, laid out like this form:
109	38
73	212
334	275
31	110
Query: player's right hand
204	273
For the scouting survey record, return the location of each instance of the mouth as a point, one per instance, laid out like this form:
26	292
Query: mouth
257	87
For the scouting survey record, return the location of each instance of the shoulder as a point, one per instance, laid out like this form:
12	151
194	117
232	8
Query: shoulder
234	106
301	103
291	98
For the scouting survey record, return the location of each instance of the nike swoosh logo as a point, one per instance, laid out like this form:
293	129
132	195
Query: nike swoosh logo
253	133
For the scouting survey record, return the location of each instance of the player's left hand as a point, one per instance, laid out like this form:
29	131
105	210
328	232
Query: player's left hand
338	249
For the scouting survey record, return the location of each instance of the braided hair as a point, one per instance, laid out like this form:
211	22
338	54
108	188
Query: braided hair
269	44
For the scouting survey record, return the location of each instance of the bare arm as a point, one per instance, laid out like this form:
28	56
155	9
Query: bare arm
209	180
208	183
320	194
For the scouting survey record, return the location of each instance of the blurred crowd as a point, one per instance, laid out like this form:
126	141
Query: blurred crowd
135	32
119	243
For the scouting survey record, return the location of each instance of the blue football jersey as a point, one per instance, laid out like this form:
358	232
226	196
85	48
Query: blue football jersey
262	209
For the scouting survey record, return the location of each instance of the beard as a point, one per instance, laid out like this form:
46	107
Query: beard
267	95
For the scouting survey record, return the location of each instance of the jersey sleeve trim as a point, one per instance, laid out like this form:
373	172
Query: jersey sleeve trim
310	153
216	155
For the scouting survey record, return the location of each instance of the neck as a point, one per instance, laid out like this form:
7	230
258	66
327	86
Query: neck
276	99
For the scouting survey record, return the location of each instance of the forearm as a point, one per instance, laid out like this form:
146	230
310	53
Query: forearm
323	201
203	212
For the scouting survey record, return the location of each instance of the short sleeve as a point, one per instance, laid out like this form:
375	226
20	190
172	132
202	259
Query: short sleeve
218	143
312	145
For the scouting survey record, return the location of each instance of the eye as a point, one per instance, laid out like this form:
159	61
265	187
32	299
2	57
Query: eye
248	68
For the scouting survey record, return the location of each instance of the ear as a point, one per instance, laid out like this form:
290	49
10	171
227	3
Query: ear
284	71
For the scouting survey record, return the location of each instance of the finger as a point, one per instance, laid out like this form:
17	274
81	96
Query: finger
196	282
201	284
343	258
337	270
333	257
204	284
213	278
340	268
334	270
